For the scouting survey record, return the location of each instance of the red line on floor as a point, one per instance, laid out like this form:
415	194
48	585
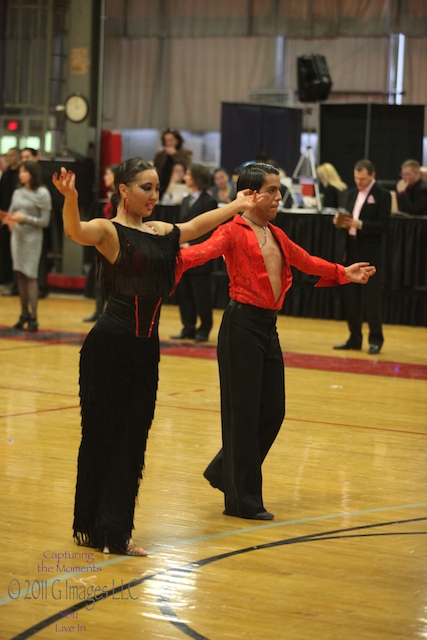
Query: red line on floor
48	392
33	413
288	418
355	365
357	426
370	366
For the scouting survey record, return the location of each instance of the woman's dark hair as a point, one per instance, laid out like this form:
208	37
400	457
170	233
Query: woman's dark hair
201	176
34	153
126	173
178	137
222	169
253	176
34	170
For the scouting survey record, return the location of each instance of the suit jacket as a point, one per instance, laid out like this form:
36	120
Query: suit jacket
375	217
205	202
9	181
414	199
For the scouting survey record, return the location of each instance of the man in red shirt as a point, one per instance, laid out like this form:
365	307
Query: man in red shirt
258	257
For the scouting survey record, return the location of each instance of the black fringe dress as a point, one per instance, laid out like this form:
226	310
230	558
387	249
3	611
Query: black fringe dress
118	386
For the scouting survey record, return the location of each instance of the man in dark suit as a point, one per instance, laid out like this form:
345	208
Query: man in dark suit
8	183
370	205
411	190
194	291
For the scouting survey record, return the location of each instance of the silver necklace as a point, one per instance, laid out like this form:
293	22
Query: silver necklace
263	227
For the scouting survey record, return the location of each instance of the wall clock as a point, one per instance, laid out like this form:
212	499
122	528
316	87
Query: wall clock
76	107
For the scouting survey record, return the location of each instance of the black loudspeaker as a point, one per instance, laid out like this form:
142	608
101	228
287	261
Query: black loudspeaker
314	81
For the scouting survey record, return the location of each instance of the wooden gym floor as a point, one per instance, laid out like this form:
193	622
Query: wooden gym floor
345	556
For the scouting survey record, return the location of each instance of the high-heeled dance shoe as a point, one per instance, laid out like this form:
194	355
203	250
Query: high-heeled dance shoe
21	322
33	325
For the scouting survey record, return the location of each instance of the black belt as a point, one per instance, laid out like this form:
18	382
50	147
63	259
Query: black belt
270	313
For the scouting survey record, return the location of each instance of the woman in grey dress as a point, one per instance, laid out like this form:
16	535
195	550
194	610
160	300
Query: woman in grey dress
29	212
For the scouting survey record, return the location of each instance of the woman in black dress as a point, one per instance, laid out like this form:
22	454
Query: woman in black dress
120	356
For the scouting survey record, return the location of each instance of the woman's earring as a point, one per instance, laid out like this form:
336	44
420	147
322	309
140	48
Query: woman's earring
126	205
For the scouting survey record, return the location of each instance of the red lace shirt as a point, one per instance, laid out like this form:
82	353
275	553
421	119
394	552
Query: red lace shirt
249	281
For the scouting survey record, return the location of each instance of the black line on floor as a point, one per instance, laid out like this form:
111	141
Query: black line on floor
164	601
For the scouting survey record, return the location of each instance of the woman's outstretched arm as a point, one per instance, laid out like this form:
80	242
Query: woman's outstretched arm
97	232
205	222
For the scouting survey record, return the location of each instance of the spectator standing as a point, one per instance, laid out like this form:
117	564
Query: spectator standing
28	153
8	183
411	190
370	205
171	153
30	210
194	291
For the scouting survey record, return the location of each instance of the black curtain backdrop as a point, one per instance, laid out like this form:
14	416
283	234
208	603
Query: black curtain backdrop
405	269
386	134
250	130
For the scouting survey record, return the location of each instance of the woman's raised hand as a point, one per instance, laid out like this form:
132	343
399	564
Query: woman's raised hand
65	182
248	199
